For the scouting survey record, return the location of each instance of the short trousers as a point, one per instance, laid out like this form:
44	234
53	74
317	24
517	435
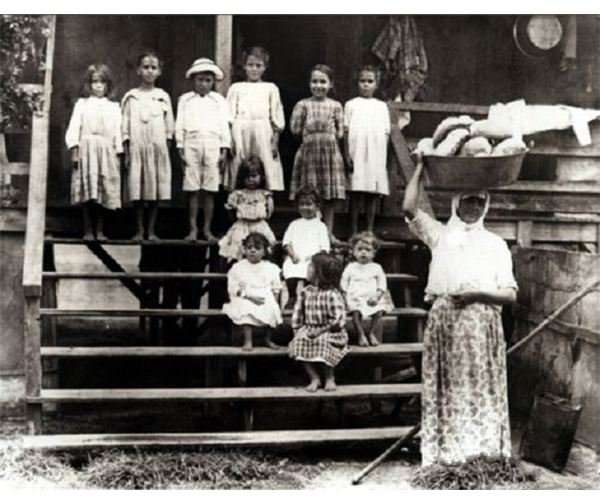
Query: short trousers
202	164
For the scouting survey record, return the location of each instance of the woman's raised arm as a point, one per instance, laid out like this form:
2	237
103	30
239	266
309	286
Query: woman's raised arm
411	194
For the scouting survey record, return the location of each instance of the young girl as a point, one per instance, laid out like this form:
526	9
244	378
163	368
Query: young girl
303	238
365	287
257	115
318	162
253	205
94	140
203	138
147	133
318	322
254	285
366	133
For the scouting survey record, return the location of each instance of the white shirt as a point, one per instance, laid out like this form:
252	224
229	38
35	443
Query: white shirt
307	237
207	115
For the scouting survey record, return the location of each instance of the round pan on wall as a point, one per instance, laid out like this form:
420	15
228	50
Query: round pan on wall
537	35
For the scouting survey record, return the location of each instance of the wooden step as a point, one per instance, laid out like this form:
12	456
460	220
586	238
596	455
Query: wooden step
222	439
55	275
385	349
380	390
384	244
409	312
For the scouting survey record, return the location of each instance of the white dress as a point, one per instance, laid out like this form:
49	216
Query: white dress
260	279
360	282
367	121
255	110
307	237
95	127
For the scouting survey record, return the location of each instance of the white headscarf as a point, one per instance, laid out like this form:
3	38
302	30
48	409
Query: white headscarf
457	229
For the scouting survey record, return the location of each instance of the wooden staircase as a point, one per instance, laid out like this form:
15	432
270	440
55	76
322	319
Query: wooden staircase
42	313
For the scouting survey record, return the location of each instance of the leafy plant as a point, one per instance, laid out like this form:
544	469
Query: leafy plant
22	42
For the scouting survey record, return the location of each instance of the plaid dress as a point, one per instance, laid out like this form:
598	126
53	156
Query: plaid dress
318	308
318	161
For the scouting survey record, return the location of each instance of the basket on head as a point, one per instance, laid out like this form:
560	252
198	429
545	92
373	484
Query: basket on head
473	172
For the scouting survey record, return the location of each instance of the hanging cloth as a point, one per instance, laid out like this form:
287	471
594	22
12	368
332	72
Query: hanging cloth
401	50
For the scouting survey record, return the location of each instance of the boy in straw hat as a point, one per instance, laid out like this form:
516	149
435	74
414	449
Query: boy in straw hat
203	138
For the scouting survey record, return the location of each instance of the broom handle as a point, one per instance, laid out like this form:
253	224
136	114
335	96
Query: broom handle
567	305
391	448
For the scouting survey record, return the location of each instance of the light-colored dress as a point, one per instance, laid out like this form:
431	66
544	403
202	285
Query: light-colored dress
95	127
148	123
464	394
318	161
256	110
318	308
307	237
257	280
360	282
367	121
251	208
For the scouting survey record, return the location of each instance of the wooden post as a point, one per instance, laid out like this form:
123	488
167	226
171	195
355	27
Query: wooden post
223	49
33	364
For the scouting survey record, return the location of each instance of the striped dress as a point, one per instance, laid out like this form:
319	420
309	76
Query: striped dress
318	161
318	308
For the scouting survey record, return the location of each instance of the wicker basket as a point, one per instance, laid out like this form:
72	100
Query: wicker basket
473	172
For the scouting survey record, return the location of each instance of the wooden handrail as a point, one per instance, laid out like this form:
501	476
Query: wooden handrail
38	175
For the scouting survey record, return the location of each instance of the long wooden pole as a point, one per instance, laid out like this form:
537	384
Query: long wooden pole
544	324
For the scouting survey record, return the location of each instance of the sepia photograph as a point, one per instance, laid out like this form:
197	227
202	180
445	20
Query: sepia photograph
300	251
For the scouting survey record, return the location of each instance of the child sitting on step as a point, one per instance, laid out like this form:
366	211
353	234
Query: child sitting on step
320	340
254	285
252	204
303	238
365	287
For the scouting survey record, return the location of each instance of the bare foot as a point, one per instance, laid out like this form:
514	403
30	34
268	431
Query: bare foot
88	236
210	238
313	386
330	385
373	340
362	341
138	236
153	237
192	236
100	236
247	347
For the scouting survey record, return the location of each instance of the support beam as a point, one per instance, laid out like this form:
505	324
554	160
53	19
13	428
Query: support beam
223	49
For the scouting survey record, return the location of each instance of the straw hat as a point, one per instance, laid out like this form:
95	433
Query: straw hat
204	65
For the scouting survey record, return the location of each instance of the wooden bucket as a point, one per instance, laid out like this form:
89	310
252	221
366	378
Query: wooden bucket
473	172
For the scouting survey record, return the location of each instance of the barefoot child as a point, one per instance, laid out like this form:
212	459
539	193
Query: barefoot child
318	323
252	205
319	120
365	286
94	140
203	138
257	121
147	133
303	238
366	133
254	285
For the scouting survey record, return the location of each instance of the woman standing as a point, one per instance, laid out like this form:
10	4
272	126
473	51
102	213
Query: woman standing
464	396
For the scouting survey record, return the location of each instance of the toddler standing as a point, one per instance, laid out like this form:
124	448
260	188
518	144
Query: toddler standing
365	286
203	138
94	140
303	238
366	131
320	340
257	114
147	133
319	121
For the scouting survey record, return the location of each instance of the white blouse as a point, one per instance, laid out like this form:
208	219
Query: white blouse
463	258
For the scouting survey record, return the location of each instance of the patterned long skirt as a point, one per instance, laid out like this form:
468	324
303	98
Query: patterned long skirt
464	397
319	163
